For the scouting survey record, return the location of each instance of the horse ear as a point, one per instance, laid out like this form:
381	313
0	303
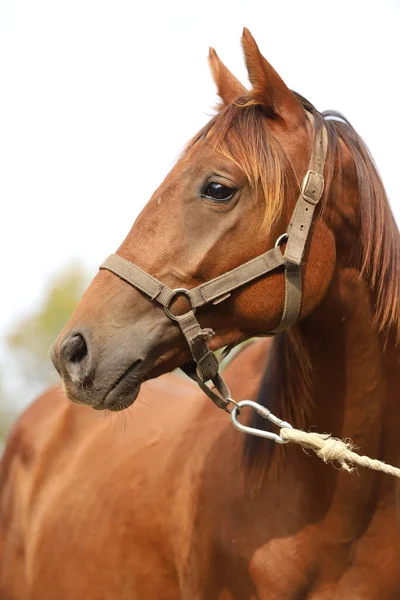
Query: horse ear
229	88
268	87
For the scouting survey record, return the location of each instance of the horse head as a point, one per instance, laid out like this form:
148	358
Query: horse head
227	200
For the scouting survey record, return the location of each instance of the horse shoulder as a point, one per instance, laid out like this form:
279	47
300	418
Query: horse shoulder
23	456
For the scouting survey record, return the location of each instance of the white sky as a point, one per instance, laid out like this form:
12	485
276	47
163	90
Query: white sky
99	96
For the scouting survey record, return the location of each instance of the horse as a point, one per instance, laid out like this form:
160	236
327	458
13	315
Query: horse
171	501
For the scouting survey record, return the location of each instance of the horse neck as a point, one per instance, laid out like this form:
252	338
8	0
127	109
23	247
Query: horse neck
334	372
354	371
345	369
350	391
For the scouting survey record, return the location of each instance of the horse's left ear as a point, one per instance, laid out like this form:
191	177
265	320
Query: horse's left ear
268	87
229	88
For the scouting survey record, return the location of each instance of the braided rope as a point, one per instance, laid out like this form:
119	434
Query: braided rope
331	449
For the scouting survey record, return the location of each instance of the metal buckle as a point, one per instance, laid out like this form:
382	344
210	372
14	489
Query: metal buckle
177	291
312	187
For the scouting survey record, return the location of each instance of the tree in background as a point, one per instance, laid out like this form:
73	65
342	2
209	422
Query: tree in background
6	417
29	340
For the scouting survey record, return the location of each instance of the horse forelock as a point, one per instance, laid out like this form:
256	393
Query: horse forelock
240	133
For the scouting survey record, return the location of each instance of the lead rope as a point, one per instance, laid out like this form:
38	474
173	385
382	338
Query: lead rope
331	449
326	447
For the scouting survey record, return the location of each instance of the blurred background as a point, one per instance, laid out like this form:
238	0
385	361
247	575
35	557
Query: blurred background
97	99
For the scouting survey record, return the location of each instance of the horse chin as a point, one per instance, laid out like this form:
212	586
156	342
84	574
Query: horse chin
117	400
124	390
120	395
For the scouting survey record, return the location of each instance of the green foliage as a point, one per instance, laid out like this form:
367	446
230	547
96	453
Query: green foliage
31	337
6	417
6	420
29	369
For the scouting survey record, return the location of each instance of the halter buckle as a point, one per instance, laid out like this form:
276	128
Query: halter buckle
177	292
312	187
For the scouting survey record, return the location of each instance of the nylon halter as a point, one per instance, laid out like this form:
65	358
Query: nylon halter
220	288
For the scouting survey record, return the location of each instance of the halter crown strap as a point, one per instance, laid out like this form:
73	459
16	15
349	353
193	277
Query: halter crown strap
218	289
310	194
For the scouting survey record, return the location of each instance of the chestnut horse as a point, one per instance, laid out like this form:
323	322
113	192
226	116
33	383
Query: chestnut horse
172	502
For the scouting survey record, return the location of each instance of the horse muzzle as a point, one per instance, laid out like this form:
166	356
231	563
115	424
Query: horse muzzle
103	376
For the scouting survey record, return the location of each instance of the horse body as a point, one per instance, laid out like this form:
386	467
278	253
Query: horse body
163	505
173	502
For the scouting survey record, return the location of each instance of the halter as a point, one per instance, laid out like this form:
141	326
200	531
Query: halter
219	289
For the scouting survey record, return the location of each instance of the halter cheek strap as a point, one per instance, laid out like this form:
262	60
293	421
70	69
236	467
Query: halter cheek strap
219	289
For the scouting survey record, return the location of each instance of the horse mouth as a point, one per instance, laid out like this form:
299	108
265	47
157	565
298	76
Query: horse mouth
124	390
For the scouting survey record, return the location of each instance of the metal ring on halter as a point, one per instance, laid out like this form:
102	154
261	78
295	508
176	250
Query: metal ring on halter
177	291
281	240
235	406
263	412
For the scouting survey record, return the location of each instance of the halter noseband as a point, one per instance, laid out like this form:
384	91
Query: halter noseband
218	289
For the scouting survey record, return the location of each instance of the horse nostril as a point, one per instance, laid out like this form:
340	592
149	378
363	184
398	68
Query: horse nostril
74	349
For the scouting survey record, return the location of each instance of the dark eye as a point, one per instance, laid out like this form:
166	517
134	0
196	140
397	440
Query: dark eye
218	192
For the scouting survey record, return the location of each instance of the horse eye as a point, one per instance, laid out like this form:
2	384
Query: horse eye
218	192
